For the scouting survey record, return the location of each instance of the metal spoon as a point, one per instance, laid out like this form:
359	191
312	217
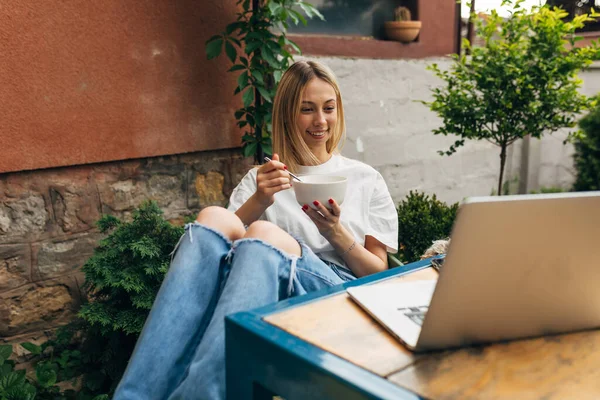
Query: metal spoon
267	159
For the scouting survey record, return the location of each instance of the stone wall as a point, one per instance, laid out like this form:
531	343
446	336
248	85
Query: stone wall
47	227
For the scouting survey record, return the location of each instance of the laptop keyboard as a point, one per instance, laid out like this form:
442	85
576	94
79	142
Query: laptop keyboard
415	314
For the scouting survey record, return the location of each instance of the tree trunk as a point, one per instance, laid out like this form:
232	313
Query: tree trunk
259	155
502	163
524	173
470	25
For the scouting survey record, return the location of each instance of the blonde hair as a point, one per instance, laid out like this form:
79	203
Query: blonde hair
287	140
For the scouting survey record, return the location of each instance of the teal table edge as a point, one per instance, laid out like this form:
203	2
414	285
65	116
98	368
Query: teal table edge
263	360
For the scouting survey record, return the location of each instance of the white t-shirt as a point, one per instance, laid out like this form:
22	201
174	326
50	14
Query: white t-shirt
368	208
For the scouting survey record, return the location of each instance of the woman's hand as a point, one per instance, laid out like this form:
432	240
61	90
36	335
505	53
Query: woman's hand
271	178
362	260
326	219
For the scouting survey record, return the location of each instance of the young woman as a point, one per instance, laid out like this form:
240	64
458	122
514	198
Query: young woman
265	247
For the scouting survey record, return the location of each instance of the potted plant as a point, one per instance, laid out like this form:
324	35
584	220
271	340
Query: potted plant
403	28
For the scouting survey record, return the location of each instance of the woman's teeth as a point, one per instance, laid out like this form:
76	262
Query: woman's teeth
317	134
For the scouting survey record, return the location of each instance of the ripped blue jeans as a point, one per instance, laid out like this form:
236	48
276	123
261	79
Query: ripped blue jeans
181	351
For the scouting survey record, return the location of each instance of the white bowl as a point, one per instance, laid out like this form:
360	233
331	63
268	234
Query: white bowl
320	188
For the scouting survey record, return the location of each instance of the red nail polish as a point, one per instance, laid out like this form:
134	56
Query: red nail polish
330	201
305	207
316	203
285	167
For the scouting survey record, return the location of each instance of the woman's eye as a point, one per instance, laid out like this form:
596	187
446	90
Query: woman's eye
306	110
330	109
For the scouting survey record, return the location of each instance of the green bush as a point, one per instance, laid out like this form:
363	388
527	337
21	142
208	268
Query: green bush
13	384
587	153
122	279
421	220
49	371
551	189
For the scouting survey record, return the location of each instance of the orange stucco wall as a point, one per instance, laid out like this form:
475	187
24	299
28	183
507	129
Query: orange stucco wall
88	81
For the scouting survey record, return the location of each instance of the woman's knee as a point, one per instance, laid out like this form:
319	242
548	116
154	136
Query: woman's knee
274	235
222	220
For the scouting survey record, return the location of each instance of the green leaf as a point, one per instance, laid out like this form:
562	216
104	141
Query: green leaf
107	223
213	49
258	75
5	369
32	348
242	80
5	351
250	149
299	17
248	97
293	45
212	38
268	56
257	36
311	11
264	93
46	375
273	7
11	381
236	67
306	8
267	148
252	46
231	52
229	29
293	15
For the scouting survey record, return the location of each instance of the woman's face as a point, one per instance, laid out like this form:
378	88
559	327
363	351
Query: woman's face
318	114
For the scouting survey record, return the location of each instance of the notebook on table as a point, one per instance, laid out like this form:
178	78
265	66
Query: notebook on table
517	266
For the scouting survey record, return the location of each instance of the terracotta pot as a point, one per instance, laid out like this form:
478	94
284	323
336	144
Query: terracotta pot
402	31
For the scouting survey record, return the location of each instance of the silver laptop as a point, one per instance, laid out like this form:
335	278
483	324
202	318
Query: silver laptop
517	267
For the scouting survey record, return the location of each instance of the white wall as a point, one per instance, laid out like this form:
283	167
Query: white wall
389	129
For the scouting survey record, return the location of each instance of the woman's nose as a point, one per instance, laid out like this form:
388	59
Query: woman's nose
319	118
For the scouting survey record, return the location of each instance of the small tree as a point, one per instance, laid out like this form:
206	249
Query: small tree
522	81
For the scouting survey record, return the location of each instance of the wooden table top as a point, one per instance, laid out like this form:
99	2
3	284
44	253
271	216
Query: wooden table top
551	367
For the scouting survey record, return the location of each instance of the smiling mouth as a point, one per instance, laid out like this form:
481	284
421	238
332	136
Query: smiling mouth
318	134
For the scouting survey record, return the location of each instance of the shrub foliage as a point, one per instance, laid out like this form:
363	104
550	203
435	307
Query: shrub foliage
122	279
421	220
587	153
